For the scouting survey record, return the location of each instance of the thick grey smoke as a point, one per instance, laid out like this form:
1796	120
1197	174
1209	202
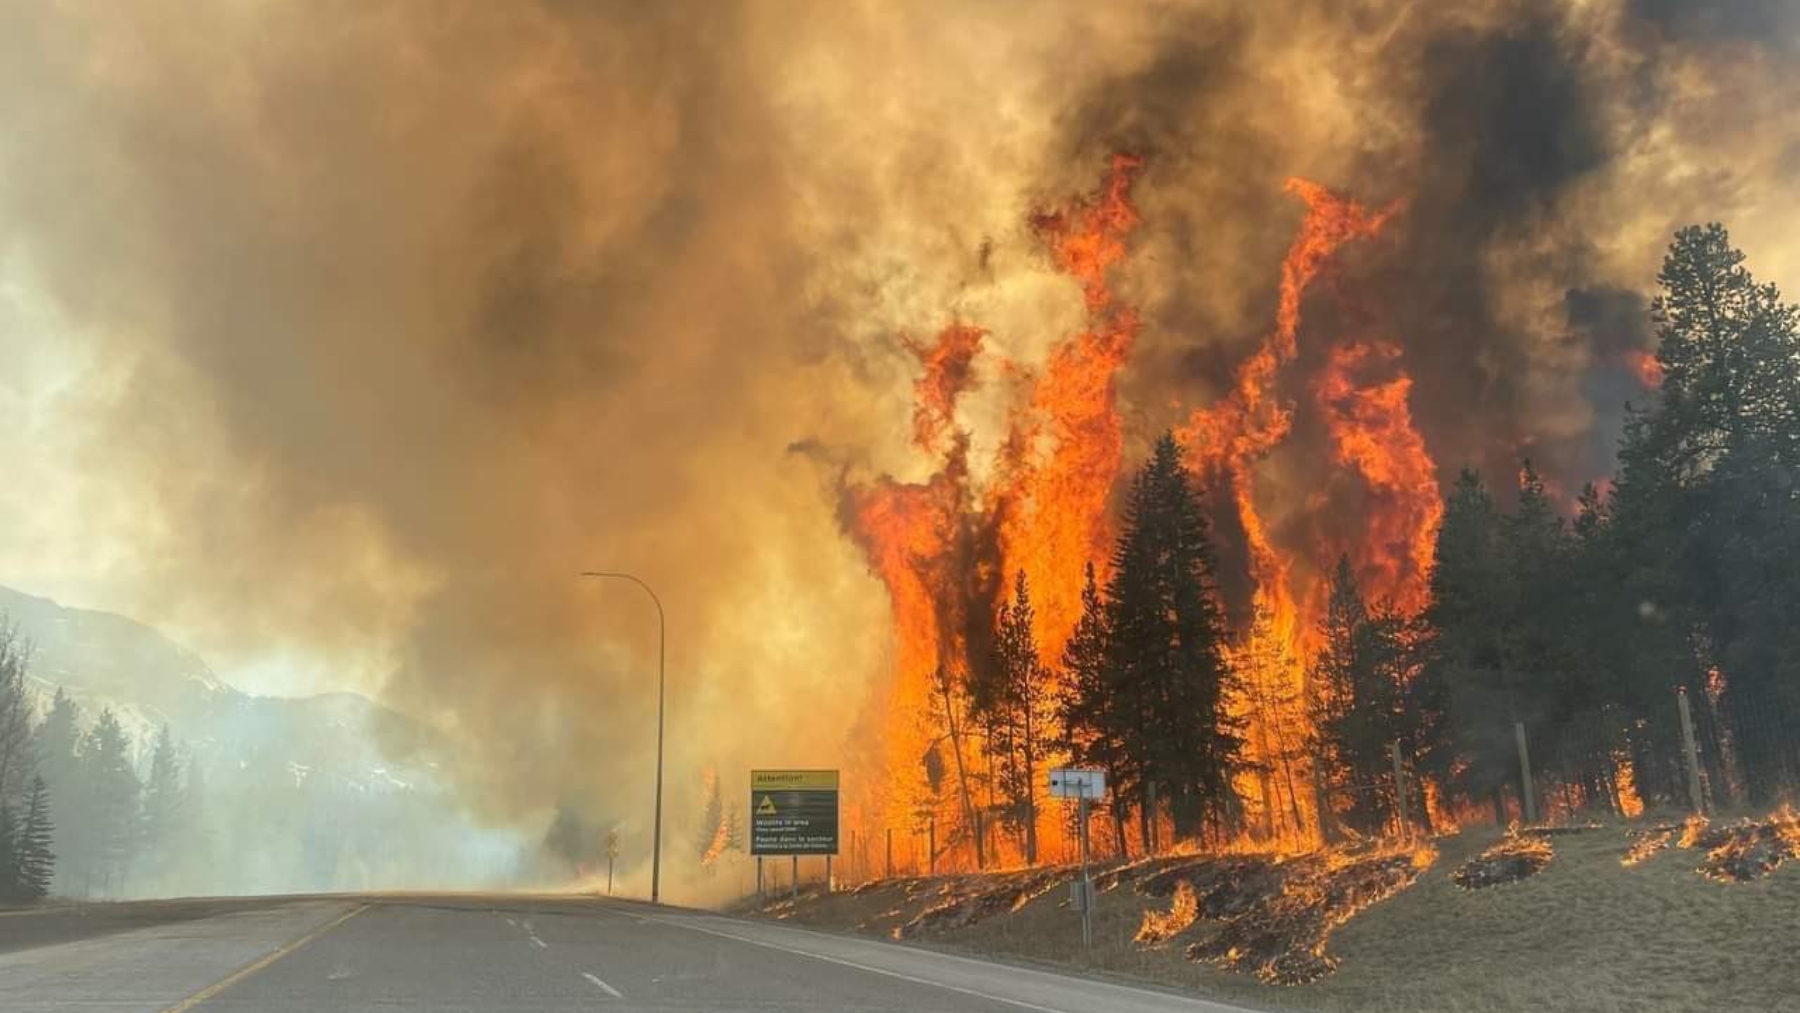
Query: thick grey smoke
376	322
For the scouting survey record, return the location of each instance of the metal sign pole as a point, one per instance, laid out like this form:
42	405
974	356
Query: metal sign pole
1087	883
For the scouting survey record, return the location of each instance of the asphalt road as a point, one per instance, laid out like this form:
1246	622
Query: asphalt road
498	954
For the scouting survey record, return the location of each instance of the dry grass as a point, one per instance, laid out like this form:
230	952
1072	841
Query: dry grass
1586	934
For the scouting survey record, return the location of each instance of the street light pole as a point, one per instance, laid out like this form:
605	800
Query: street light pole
662	643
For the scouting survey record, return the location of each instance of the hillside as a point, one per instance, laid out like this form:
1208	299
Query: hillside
325	792
1586	932
106	660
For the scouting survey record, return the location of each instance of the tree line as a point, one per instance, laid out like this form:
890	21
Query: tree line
76	818
1683	577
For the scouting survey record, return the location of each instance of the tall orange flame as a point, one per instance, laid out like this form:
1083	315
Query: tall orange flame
1067	447
1227	438
1045	512
1372	431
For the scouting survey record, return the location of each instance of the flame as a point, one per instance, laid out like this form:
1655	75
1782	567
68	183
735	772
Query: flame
1751	850
1161	926
1045	508
1645	366
1631	804
1066	449
945	551
1372	431
1227	438
947	374
1646	845
1692	830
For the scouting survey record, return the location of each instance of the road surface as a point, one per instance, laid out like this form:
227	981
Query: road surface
498	954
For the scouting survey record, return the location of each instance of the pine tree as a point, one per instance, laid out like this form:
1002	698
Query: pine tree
1088	712
1165	654
162	807
1358	697
33	845
114	796
734	828
1019	710
12	882
17	763
713	831
1263	668
1466	671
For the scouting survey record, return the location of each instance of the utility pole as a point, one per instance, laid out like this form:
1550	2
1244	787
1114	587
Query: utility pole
1526	793
662	645
1689	755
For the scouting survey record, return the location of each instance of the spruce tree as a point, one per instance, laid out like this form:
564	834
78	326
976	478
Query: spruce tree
34	844
162	807
1020	707
711	838
1088	708
17	762
1165	652
113	790
12	884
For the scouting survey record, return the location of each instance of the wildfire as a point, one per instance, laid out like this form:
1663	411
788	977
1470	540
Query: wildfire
1066	449
1373	435
1227	438
1372	431
1161	926
1644	365
946	551
947	365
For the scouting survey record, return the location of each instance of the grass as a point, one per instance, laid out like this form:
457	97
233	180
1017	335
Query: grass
1584	934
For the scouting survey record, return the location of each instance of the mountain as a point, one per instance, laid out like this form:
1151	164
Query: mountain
105	660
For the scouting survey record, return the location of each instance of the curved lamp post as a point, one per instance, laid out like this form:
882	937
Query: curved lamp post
661	656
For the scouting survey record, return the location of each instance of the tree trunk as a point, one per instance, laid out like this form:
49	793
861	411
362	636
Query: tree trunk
962	777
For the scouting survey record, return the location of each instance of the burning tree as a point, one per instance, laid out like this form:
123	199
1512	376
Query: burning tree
1091	731
1359	700
1165	654
1013	703
1276	724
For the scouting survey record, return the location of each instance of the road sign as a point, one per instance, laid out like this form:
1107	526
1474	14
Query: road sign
793	812
1084	785
1078	782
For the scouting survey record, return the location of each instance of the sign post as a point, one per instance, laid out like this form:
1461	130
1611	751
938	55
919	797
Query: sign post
794	813
1084	786
612	854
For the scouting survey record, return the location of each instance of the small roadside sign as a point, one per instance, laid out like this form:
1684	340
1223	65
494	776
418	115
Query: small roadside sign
1078	782
793	812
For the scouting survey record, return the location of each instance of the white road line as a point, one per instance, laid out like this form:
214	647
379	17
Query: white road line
539	943
1199	1005
603	986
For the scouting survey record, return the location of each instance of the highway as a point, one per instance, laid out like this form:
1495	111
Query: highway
466	953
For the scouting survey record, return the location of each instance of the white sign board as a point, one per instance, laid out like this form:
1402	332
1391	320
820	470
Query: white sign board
1078	782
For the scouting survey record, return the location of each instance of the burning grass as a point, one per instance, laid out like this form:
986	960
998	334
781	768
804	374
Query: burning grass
1645	843
1735	853
969	899
1750	850
1516	857
1585	933
1280	939
1161	926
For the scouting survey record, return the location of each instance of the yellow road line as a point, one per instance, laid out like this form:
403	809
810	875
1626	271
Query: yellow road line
264	961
